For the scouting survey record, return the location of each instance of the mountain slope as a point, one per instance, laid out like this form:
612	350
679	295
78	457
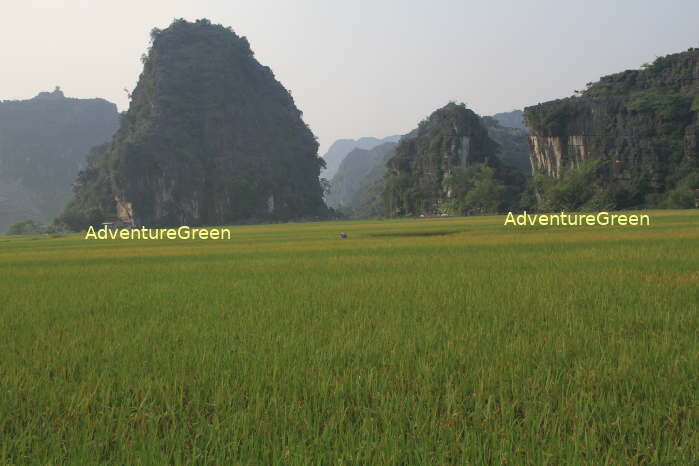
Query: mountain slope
449	164
359	169
636	132
339	149
43	144
210	137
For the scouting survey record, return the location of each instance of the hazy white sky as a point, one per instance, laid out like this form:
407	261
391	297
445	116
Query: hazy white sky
360	67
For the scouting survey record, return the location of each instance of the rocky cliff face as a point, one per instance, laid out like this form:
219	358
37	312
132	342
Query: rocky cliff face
43	144
640	125
358	187
452	140
210	137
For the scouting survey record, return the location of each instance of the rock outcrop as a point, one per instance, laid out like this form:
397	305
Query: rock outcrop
210	137
359	185
43	144
639	125
421	175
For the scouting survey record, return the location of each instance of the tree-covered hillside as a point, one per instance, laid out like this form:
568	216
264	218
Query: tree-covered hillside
630	140
450	164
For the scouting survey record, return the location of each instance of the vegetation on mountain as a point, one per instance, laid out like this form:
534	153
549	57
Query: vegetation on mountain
94	200
210	137
450	165
632	138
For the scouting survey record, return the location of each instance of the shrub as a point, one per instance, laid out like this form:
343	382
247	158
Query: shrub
26	227
577	189
671	107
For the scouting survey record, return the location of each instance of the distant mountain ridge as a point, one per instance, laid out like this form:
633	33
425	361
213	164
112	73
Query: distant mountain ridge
513	119
339	149
43	145
358	170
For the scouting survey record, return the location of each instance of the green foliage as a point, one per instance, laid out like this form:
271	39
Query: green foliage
93	199
475	190
552	118
418	173
695	104
26	227
668	106
670	73
683	195
577	190
527	198
558	118
402	195
615	85
585	190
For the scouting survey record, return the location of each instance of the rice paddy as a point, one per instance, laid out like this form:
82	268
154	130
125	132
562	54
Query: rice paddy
415	341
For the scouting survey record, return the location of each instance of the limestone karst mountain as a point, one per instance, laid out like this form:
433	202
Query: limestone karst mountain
210	137
43	144
633	136
357	187
450	164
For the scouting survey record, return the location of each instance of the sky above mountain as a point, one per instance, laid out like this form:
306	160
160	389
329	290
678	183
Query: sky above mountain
360	68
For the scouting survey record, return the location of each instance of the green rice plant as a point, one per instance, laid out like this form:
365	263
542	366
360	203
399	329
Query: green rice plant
415	341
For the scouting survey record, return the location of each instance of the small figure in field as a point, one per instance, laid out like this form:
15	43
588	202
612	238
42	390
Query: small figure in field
343	235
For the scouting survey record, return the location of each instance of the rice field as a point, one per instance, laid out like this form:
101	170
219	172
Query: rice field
416	341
